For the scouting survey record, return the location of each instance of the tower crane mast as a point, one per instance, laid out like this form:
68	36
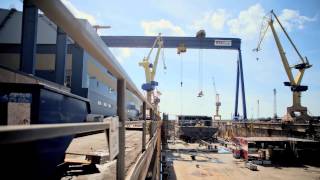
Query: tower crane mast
217	116
294	82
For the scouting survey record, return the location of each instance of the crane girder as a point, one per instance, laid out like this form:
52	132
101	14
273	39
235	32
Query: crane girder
282	54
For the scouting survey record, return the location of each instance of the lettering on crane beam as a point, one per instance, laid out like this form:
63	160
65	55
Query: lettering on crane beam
220	42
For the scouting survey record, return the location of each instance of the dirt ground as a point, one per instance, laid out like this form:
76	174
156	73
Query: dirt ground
224	166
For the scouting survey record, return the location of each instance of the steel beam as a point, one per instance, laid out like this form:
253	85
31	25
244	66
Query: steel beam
236	114
41	48
23	133
173	42
79	80
121	109
61	52
244	106
28	37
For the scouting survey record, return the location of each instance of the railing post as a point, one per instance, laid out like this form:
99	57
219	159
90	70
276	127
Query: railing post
151	124
121	108
144	106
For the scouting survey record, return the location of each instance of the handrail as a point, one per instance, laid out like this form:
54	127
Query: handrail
87	39
25	133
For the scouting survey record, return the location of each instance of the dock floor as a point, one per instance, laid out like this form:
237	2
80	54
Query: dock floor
224	166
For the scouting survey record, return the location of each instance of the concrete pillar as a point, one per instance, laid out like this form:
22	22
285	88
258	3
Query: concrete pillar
61	52
28	37
121	110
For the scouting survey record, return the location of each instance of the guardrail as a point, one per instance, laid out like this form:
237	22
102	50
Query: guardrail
25	133
13	134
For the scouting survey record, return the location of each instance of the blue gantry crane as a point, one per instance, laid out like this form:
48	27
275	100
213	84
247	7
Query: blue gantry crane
192	43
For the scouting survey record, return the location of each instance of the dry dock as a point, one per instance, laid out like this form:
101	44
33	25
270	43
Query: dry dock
224	166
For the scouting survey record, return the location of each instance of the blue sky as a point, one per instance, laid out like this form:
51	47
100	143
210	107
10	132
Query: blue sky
219	19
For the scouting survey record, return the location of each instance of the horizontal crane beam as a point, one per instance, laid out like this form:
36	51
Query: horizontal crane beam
172	42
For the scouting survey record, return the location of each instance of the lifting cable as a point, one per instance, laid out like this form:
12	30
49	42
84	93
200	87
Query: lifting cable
200	35
181	70
163	60
181	83
262	33
200	72
181	49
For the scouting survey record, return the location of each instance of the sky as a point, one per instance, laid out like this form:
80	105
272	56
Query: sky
263	71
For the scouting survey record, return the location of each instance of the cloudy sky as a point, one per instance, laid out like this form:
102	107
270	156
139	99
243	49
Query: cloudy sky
219	19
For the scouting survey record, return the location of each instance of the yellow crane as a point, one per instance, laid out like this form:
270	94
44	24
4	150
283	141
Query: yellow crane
150	69
296	111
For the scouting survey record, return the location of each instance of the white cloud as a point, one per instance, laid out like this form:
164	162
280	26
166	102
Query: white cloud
218	19
215	20
126	52
78	13
162	26
122	54
292	19
248	23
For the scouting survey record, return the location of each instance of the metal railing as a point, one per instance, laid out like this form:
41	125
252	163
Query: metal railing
25	133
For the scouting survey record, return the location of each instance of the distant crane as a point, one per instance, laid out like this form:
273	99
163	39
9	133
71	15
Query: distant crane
151	69
96	27
296	112
275	116
217	116
258	109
